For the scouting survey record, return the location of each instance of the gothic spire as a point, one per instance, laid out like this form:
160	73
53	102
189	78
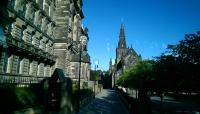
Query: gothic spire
122	40
110	63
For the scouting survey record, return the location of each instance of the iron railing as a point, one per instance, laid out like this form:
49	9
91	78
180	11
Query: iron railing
8	80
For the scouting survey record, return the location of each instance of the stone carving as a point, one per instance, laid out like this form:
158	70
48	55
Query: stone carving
42	43
37	19
24	34
35	40
44	24
19	5
52	9
50	28
83	40
29	11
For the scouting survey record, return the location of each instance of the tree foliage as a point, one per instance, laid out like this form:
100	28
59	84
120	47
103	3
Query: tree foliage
176	70
142	70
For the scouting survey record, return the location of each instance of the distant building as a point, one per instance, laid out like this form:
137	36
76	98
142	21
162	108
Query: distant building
125	57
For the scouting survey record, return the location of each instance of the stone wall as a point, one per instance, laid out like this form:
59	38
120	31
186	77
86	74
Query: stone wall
29	37
68	18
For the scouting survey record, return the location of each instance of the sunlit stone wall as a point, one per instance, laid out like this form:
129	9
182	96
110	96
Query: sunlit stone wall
30	37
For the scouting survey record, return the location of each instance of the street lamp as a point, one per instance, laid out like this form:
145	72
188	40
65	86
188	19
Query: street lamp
82	44
72	47
96	62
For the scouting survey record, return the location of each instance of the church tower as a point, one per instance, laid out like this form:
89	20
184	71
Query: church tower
121	49
122	40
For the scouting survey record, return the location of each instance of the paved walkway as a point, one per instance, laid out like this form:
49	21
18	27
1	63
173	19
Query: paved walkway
106	102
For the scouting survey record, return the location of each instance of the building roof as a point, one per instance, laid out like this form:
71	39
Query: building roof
122	40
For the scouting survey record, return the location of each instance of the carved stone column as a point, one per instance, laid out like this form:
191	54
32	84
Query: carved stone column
48	45
33	68
29	12
47	71
16	31
12	66
24	66
43	43
40	69
2	62
37	18
76	27
50	28
19	5
51	9
36	40
27	36
46	6
44	24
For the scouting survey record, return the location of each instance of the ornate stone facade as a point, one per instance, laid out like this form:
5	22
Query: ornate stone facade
29	47
38	34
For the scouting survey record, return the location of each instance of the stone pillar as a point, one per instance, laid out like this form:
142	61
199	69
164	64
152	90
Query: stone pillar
60	61
52	69
33	68
36	40
47	71
51	9
48	44
2	62
16	31
43	43
44	24
76	27
27	36
46	6
67	63
37	18
29	12
88	71
50	28
61	17
24	66
82	70
40	71
12	66
40	3
19	5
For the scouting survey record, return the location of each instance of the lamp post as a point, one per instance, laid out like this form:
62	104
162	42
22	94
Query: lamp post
79	76
96	62
72	47
82	43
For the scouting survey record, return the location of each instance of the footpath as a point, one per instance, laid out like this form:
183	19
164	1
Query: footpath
106	102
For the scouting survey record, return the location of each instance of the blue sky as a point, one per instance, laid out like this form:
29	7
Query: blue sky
150	25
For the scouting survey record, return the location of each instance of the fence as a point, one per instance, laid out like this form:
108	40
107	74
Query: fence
10	80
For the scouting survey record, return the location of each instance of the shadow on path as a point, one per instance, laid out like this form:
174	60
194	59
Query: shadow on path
106	102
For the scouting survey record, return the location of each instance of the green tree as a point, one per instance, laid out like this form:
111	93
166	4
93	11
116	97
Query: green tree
178	69
141	71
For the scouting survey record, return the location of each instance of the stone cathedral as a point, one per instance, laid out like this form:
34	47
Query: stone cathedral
35	36
125	56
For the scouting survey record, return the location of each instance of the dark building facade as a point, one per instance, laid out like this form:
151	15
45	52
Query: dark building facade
71	39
